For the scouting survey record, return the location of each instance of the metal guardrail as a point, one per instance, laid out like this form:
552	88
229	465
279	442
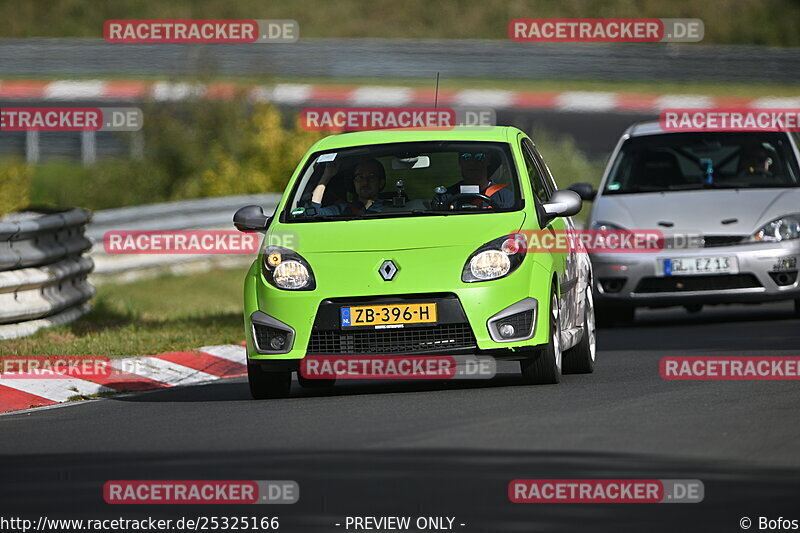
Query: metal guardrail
202	214
43	275
405	58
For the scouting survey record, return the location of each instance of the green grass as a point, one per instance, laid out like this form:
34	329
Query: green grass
169	313
770	22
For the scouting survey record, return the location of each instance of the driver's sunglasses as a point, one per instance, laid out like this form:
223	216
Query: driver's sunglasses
477	156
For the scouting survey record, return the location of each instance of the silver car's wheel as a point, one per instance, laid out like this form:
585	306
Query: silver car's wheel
580	358
546	368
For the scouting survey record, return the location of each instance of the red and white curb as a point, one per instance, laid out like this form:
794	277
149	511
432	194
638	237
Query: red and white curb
306	94
204	365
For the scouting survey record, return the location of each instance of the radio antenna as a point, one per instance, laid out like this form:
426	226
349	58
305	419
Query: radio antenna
436	95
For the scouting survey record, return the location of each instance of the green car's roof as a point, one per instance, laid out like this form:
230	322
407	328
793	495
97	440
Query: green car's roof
361	138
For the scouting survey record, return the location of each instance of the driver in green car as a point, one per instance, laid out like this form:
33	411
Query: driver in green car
475	172
369	179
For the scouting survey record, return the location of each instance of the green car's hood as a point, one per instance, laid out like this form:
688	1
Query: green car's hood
401	233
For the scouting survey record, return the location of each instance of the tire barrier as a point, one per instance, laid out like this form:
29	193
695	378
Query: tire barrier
43	272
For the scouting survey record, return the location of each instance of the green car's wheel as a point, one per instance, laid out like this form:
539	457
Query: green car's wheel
307	383
546	368
797	306
580	358
265	385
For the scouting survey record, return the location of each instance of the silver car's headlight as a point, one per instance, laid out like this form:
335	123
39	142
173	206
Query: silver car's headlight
781	229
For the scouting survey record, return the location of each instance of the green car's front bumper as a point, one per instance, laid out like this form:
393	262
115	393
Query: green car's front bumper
296	312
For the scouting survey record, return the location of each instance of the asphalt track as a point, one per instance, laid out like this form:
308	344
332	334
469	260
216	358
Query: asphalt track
426	448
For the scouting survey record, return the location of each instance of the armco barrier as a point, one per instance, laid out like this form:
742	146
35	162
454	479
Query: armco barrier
43	274
203	214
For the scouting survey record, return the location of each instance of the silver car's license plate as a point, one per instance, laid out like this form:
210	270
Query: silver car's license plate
686	266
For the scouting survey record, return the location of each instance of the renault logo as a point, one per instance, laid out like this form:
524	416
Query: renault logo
387	270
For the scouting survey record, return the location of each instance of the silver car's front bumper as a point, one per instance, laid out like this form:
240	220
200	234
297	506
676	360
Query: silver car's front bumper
766	272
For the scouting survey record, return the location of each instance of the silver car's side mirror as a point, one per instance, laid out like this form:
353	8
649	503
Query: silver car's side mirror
563	204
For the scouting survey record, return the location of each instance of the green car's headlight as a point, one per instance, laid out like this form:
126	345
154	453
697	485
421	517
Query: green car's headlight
495	259
780	229
489	264
287	270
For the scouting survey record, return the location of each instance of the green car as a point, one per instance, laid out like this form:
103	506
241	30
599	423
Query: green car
413	243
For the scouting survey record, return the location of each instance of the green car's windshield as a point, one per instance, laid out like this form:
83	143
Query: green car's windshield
406	179
685	161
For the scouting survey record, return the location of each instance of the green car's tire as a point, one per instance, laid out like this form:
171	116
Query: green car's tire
307	383
546	368
264	385
797	306
580	358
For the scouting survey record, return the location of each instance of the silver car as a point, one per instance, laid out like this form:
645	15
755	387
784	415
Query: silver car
728	204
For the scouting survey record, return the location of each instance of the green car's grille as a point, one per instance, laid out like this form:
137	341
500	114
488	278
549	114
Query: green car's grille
442	337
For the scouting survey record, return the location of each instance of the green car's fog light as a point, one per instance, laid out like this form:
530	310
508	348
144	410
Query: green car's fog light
507	330
277	342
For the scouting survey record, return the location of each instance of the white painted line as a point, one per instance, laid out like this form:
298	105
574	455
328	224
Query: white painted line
484	98
74	90
289	93
380	96
684	101
165	91
586	101
776	102
231	352
161	371
56	389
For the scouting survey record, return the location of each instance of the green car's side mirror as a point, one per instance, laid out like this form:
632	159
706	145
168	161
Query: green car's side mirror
250	218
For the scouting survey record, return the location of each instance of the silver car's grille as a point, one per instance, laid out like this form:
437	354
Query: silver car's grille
697	283
721	240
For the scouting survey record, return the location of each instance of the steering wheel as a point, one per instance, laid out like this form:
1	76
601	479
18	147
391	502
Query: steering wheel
459	200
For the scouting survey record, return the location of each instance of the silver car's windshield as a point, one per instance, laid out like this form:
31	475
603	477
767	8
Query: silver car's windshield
681	161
